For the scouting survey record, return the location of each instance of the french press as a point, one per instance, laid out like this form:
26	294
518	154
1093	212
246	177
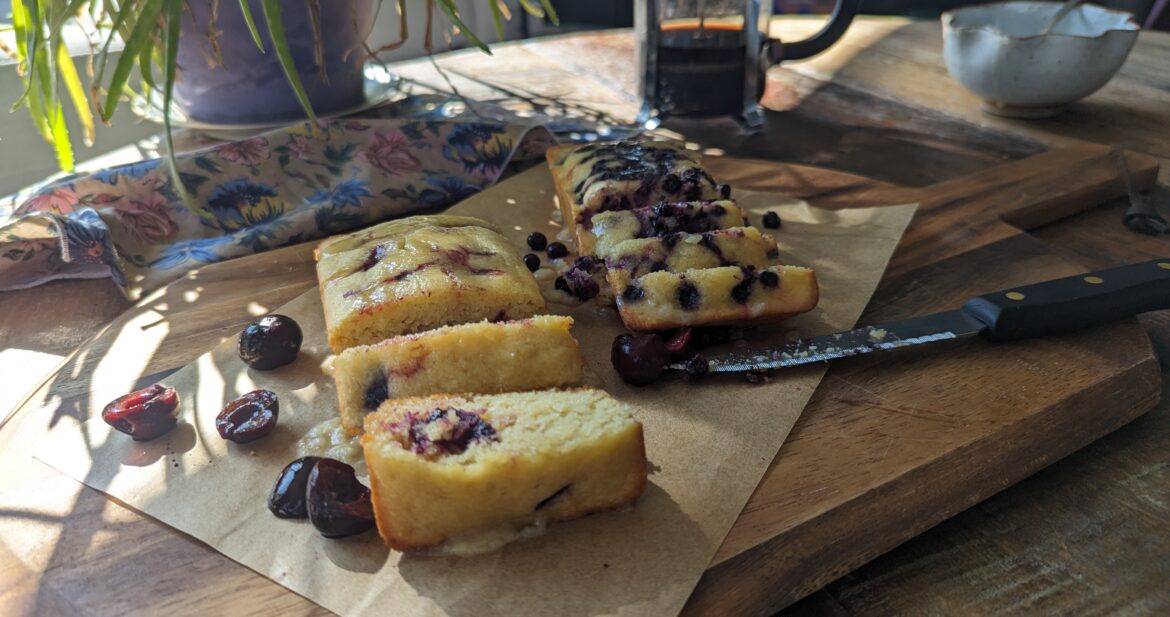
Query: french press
701	58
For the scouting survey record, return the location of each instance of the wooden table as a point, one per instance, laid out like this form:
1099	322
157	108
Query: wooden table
1089	534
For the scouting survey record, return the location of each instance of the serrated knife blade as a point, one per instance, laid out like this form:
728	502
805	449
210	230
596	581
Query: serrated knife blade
916	331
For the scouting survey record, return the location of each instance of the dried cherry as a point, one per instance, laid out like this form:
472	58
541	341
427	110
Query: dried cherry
144	414
249	417
338	504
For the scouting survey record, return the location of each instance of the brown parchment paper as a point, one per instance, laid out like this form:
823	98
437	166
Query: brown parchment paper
708	442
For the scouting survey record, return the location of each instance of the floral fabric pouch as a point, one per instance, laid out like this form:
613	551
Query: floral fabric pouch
284	187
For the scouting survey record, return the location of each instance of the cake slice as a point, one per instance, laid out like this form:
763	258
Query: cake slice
728	295
453	467
482	357
676	252
624	175
610	228
420	273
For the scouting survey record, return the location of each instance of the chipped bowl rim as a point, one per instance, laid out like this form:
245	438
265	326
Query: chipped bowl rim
948	19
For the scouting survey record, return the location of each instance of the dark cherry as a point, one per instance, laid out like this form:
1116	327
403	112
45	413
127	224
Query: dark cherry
270	342
556	250
287	499
563	285
769	278
771	220
639	360
249	417
532	262
679	342
337	503
724	190
537	241
144	414
711	336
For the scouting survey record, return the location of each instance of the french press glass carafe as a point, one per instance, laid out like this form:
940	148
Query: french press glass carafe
707	57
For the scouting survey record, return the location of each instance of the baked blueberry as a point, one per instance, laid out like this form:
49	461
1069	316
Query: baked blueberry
688	296
556	250
537	241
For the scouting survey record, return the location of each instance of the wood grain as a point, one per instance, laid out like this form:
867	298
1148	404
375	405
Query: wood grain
915	422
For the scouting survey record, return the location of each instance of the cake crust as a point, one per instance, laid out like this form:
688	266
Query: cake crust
482	357
520	458
419	273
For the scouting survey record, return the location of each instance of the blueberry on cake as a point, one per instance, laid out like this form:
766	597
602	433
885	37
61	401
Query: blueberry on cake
713	296
482	357
419	273
610	228
625	175
451	467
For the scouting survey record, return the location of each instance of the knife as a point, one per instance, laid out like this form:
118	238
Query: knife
1042	309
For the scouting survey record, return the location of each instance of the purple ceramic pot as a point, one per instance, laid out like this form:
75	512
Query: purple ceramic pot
250	87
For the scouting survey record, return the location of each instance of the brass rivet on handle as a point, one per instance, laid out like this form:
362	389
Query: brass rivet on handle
1014	295
1096	280
1164	265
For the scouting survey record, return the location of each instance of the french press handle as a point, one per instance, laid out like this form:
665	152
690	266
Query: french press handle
843	13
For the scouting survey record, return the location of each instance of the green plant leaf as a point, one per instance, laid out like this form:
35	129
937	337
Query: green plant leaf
251	24
76	92
174	13
497	18
119	20
60	133
146	66
448	9
550	12
531	8
280	44
139	37
26	25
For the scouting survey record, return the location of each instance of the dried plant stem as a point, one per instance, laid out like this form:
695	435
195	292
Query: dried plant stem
314	7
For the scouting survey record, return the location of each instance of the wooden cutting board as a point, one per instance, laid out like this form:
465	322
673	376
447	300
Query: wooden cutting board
888	447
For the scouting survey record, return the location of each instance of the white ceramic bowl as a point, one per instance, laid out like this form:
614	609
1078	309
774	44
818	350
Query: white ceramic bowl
998	52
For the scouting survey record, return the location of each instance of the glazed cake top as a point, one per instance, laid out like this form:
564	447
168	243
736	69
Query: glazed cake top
632	174
415	256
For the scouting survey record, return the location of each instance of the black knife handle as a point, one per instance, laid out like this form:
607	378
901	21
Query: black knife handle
1073	303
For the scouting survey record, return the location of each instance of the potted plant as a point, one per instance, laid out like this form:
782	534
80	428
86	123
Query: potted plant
218	59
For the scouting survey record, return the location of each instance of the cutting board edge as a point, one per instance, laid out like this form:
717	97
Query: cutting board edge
725	590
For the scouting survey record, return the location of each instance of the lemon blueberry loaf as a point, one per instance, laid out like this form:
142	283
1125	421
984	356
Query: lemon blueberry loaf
419	273
450	467
482	357
729	295
624	175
